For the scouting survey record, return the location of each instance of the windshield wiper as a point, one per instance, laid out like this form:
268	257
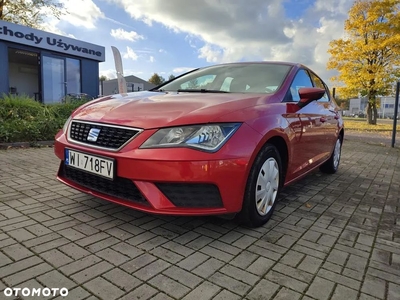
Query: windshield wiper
200	91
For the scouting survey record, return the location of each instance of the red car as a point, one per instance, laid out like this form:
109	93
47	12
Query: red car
217	140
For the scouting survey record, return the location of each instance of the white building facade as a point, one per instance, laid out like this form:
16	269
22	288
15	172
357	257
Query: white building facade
386	107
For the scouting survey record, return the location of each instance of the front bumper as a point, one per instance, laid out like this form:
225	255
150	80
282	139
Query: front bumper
166	181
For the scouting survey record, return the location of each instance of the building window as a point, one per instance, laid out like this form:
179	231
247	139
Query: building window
53	79
23	72
73	70
61	77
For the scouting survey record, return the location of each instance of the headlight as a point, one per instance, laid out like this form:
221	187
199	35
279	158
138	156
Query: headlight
206	137
65	127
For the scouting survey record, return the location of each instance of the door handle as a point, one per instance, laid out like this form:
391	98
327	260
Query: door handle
322	120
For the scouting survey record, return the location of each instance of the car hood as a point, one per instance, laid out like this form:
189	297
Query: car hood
160	109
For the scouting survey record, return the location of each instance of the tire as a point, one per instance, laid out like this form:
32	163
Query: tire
258	203
332	164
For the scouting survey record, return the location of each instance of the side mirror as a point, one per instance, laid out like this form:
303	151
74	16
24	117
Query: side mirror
308	95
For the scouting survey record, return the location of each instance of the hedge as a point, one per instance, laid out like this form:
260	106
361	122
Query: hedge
22	119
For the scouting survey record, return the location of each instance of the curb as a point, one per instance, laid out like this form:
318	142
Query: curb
5	146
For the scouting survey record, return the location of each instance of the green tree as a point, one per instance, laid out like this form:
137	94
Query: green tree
103	78
367	58
29	13
172	76
156	79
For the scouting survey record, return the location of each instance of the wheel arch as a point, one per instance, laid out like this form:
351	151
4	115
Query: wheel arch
341	135
246	215
280	144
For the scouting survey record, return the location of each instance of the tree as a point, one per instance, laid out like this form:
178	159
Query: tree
102	78
29	13
343	103
368	57
156	79
172	76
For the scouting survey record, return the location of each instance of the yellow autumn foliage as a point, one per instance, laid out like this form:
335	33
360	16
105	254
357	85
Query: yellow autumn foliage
367	58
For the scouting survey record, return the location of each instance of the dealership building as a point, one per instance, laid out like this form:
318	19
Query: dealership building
47	66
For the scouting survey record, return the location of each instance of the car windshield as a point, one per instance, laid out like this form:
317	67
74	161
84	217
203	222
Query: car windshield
233	78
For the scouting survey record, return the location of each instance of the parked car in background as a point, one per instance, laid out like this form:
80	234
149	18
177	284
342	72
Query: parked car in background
223	139
358	115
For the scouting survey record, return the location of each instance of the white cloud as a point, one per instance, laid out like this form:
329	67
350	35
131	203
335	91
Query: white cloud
228	30
192	41
162	51
86	16
117	22
121	34
221	23
336	7
82	13
144	50
130	54
152	59
51	26
132	72
181	70
109	73
211	53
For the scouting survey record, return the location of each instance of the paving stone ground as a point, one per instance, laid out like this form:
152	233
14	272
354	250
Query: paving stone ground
331	237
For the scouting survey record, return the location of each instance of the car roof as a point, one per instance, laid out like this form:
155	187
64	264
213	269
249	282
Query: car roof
294	65
273	62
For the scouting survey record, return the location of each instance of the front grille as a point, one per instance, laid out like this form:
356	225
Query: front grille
121	188
109	137
192	194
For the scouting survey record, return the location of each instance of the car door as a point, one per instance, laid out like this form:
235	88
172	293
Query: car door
330	116
304	123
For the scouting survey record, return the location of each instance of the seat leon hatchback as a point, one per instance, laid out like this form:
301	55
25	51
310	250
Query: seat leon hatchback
223	139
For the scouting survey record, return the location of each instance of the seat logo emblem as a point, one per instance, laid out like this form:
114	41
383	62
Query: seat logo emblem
93	134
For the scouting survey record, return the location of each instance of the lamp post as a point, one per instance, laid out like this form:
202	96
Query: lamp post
396	111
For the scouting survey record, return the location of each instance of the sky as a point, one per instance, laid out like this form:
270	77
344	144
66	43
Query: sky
174	36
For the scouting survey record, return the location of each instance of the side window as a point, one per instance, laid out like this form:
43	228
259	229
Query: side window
319	84
302	79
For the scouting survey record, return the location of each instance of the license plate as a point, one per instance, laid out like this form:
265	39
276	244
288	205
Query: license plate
90	163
